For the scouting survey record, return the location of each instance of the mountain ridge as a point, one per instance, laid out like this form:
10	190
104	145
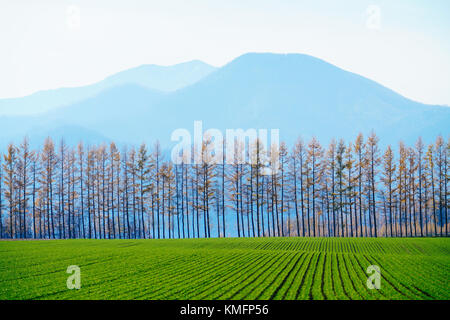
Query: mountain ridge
162	78
298	94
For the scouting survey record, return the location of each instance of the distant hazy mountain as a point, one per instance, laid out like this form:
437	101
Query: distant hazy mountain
298	94
162	78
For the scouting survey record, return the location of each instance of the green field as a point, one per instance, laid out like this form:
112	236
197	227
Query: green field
263	268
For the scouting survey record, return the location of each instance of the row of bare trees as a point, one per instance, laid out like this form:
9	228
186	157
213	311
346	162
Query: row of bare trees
347	189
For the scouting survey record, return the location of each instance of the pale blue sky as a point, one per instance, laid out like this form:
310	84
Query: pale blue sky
42	45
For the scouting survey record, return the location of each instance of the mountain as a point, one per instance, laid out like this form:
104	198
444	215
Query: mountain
37	133
297	94
121	113
161	78
300	95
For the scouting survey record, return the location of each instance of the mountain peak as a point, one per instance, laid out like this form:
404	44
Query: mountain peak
295	93
269	57
150	76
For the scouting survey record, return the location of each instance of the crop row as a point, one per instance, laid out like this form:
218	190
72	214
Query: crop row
288	268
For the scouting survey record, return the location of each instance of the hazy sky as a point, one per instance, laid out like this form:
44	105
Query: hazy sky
402	44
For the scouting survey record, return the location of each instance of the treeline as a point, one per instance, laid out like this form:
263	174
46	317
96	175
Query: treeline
349	189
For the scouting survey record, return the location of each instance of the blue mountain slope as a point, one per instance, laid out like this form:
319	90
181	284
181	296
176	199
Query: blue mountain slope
298	94
122	113
72	134
162	78
303	95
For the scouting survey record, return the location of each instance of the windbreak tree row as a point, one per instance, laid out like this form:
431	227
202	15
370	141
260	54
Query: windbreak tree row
347	189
